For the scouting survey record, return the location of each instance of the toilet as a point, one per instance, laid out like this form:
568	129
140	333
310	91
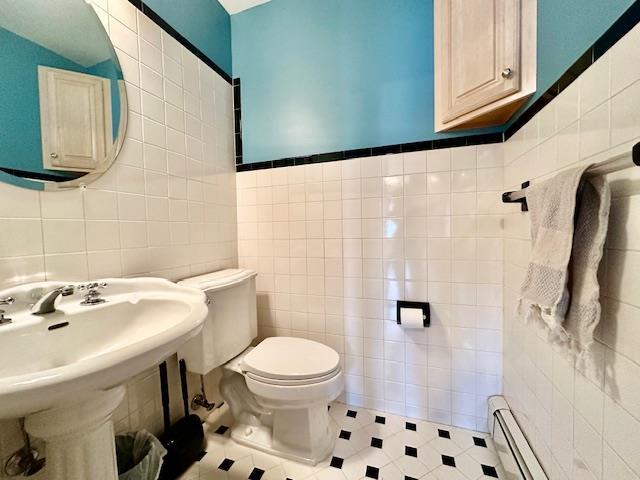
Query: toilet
279	390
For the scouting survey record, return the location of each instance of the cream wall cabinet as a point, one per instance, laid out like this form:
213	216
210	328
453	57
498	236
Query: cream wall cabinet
485	61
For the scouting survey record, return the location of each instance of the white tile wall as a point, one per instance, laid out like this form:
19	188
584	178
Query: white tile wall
335	245
167	207
584	420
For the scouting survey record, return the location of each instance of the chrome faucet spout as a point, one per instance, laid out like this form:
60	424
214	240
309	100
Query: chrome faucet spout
46	304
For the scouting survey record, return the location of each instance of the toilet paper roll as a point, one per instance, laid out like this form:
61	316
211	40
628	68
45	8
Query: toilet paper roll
411	317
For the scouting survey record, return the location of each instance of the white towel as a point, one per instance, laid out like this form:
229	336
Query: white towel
569	219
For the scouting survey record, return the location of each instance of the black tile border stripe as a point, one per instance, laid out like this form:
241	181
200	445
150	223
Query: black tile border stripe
237	120
373	152
164	25
629	19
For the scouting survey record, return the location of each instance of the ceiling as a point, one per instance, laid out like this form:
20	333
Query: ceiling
67	27
236	6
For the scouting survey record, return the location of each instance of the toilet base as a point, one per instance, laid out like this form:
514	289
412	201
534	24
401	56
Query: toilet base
294	435
299	429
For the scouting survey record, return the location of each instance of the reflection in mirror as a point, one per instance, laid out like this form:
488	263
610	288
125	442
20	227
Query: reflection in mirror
62	99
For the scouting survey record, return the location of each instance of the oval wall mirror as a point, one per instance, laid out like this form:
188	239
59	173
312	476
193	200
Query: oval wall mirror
63	105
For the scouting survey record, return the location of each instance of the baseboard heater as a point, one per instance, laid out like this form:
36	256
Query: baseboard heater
517	457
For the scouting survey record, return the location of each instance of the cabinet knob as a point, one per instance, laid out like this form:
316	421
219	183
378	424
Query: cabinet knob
507	73
55	155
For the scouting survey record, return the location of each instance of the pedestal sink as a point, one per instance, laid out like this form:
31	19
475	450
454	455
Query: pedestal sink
64	371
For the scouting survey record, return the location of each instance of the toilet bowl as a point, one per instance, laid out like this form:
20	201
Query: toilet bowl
279	390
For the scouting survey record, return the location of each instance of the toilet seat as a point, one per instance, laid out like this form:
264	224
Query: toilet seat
293	370
296	396
280	360
293	382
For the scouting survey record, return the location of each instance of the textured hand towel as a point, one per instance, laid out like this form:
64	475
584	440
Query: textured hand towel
569	219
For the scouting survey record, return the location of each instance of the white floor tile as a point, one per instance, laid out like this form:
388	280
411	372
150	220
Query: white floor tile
371	446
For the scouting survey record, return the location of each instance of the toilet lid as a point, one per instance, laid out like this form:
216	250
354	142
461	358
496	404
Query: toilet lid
291	358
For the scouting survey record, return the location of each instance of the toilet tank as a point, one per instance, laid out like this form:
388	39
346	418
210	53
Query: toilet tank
231	324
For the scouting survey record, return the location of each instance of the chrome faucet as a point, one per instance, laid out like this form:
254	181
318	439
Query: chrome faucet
7	301
46	304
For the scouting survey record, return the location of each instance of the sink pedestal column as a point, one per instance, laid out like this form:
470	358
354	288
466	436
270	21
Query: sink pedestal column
79	437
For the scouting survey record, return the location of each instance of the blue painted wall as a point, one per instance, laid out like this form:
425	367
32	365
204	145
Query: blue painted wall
326	75
205	23
565	30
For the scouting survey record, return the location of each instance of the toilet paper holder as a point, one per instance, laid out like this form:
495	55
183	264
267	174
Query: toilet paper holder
424	306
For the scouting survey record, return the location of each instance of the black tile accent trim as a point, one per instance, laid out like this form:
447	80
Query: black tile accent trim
226	464
410	426
221	430
345	435
256	474
352	413
444	433
371	152
164	25
381	420
237	120
386	150
449	461
410	451
372	472
629	19
376	442
619	29
489	471
244	167
336	462
479	442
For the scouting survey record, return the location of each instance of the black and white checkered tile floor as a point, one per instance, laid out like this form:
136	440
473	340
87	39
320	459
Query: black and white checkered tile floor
370	446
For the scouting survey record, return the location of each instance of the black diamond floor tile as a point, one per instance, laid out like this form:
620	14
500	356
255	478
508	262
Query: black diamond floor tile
221	430
380	419
407	477
345	435
449	461
336	462
479	442
226	464
444	433
372	472
352	413
410	426
489	471
376	442
411	451
256	474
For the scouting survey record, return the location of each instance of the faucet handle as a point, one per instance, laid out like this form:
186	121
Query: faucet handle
92	297
4	320
7	301
67	290
93	285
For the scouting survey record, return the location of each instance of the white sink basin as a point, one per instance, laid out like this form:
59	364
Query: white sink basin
142	322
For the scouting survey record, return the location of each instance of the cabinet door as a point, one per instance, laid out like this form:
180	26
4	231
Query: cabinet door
478	40
75	124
